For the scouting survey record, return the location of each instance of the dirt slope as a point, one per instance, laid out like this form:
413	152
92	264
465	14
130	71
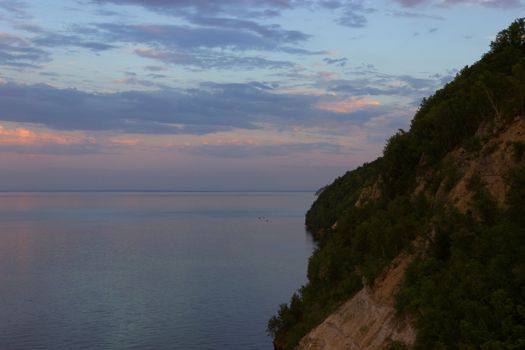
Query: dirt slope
368	320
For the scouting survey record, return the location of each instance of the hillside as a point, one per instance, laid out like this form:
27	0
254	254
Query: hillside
425	246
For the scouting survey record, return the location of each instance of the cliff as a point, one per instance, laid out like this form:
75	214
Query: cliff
425	247
368	320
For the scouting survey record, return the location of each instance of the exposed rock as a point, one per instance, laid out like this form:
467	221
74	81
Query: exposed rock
368	321
369	193
488	167
484	169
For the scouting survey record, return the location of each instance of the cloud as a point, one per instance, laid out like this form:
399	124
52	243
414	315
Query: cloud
212	24
25	136
266	7
410	14
331	4
327	75
486	3
133	81
215	43
16	8
24	140
56	40
10	39
376	84
348	105
353	19
16	136
157	76
205	42
210	108
410	3
155	68
16	51
205	59
341	62
29	27
352	12
272	32
246	36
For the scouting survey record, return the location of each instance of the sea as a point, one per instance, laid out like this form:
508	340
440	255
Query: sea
148	270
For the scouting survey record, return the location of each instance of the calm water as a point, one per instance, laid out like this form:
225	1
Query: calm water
147	270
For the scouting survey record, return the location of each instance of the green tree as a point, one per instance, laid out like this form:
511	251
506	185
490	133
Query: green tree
514	36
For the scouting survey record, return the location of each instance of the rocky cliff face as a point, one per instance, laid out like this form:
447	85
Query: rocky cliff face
486	166
368	321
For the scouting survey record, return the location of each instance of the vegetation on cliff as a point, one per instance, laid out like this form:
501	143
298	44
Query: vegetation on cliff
468	291
467	288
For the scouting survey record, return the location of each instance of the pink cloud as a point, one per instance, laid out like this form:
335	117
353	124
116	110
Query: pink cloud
25	137
348	105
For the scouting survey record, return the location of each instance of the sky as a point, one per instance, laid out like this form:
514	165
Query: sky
220	94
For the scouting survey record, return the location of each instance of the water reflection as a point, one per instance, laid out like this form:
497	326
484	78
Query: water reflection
147	271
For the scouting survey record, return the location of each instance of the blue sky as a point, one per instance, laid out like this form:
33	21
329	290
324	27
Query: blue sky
220	95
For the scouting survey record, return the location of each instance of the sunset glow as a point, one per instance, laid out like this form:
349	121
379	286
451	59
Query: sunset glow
229	90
